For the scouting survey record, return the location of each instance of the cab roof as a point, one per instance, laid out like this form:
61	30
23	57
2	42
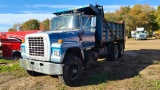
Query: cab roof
87	9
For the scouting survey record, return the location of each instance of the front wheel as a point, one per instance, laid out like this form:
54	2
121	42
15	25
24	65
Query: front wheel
16	55
72	70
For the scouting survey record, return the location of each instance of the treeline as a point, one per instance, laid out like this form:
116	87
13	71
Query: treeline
32	24
137	16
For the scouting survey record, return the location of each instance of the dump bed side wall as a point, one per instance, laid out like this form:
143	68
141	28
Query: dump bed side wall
114	31
109	31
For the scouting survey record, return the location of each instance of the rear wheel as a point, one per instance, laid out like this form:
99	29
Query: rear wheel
113	52
72	70
120	49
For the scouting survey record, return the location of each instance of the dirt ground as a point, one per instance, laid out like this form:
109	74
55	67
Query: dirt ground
134	71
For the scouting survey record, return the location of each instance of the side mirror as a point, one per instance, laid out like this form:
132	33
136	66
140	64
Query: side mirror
145	32
93	22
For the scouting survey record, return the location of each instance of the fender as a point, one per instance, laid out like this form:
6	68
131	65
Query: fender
62	48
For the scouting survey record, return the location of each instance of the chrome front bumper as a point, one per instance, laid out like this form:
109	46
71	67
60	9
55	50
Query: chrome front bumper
42	67
141	38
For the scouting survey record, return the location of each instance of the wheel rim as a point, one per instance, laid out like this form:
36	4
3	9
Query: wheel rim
73	71
116	51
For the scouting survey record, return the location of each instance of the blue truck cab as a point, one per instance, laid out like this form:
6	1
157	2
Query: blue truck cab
78	37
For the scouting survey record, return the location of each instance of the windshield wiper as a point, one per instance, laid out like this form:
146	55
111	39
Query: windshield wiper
58	27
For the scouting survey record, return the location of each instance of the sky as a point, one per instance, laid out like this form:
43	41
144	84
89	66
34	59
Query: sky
19	11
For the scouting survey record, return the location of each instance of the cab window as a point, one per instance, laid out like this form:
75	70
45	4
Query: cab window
86	22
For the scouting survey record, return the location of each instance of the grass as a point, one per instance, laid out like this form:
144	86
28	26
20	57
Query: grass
11	67
8	65
14	67
156	62
0	53
141	83
6	61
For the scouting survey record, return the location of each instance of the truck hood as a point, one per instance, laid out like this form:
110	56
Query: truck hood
66	36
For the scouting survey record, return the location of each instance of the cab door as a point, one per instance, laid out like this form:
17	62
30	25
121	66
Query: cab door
89	34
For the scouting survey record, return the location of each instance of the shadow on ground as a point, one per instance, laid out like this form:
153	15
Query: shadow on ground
126	67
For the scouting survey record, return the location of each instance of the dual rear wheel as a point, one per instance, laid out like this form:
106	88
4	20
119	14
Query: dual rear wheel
116	50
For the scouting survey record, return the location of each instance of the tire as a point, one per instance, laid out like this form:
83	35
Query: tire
120	49
72	70
16	55
33	73
113	52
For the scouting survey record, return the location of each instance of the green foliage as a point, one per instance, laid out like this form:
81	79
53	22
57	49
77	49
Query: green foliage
8	65
157	13
11	30
158	9
11	67
6	61
32	24
14	67
137	16
45	25
140	83
15	27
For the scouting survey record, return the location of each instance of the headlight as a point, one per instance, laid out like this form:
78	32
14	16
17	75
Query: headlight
56	52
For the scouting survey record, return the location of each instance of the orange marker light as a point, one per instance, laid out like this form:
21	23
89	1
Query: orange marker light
60	40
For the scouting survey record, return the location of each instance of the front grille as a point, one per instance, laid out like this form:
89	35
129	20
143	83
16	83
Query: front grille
36	46
141	35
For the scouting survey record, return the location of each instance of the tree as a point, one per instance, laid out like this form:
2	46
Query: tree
15	27
143	16
32	24
157	14
137	16
45	25
110	16
11	30
120	15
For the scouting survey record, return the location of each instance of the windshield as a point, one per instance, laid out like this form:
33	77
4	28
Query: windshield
65	22
140	31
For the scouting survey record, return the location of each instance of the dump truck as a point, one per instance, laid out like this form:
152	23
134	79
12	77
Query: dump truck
10	43
78	37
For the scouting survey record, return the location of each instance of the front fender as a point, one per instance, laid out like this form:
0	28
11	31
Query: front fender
63	47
